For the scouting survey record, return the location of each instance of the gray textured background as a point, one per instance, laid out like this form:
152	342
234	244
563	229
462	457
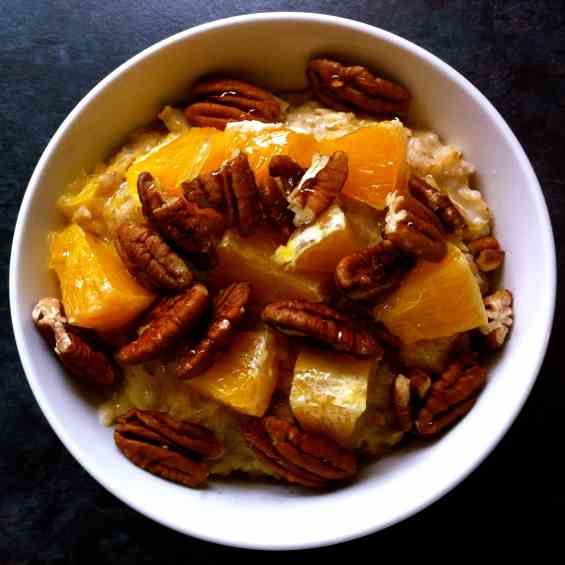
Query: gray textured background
52	54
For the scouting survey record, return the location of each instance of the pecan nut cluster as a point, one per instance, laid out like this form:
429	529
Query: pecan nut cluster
438	202
191	228
168	321
177	451
372	272
212	202
429	408
487	253
284	176
356	89
500	317
322	324
231	191
450	398
411	230
229	308
298	456
221	101
405	388
287	171
150	260
318	187
78	352
414	228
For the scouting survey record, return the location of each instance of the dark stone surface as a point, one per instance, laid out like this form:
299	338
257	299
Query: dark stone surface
52	53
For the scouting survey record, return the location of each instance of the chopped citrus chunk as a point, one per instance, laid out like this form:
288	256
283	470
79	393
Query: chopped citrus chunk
329	392
434	300
250	259
245	375
181	157
377	161
319	246
97	290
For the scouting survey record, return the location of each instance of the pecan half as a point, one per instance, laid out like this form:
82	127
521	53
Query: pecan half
414	228
220	101
284	175
355	88
487	253
450	398
231	190
500	317
369	274
190	227
323	324
150	260
176	451
275	206
318	187
79	355
298	456
229	308
405	388
438	202
287	170
169	320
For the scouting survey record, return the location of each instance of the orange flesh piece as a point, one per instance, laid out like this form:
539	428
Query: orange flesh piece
320	246
244	376
97	290
250	259
329	392
180	158
434	300
377	161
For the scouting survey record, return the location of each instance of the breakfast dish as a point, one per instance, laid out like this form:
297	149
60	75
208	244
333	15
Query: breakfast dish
281	287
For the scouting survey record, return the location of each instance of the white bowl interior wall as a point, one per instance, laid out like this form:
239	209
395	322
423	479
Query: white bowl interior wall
272	50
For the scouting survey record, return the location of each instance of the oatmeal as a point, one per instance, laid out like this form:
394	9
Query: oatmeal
321	122
274	288
444	166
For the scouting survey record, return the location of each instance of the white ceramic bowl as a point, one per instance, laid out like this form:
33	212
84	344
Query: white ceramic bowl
273	49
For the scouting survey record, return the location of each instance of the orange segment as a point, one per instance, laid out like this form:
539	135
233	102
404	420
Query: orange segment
329	392
180	158
435	300
377	161
319	246
97	290
377	155
245	376
251	259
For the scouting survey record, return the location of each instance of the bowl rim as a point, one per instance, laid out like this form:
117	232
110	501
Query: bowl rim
246	19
